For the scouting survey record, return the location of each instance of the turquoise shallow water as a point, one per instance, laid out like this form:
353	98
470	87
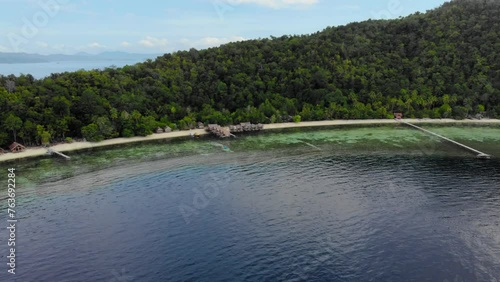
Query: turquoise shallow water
392	140
332	204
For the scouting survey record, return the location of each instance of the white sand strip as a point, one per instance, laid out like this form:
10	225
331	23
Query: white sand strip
375	122
36	152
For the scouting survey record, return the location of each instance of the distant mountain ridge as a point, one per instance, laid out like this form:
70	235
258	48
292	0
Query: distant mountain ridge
27	58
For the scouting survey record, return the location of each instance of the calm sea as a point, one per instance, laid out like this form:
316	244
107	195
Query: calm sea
41	70
357	204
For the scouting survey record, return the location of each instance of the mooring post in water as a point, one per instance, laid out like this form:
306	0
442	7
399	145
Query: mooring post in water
480	154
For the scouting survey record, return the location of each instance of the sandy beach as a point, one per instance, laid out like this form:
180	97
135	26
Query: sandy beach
36	152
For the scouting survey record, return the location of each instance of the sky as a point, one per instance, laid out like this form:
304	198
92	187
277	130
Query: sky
152	27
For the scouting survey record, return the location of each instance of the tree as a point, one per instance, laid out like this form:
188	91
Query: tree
45	138
187	123
13	123
105	128
91	133
480	109
61	127
10	86
267	108
445	110
360	70
146	126
28	132
459	112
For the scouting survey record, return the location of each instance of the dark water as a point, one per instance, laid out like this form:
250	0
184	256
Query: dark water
262	217
304	207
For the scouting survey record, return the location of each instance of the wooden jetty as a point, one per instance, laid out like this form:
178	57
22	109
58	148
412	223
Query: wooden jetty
219	131
51	152
246	127
480	155
225	132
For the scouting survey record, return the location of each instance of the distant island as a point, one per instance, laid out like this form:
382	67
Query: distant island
444	63
25	58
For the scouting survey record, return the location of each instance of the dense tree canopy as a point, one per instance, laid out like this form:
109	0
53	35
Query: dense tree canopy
444	63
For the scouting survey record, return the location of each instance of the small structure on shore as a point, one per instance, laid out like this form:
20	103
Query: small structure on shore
2	151
200	125
245	127
398	115
194	134
219	131
167	129
224	132
16	148
159	130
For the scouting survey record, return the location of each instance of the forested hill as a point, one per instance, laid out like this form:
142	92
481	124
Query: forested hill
444	63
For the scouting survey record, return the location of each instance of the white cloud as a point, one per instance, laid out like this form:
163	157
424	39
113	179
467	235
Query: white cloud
95	45
217	41
275	4
125	44
60	47
3	49
41	44
206	42
153	42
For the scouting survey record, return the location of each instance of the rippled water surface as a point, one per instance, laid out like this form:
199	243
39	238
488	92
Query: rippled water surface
358	204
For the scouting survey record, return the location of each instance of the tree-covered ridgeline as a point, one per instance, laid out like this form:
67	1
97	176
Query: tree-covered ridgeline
443	63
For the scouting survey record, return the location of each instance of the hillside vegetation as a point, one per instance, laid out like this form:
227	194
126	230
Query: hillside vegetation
443	63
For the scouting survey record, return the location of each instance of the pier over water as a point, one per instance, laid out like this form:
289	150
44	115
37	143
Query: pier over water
480	155
51	152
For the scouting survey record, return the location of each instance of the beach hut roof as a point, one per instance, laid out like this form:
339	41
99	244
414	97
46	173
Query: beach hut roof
15	145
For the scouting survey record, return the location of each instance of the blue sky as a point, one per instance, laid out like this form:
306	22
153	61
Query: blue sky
149	26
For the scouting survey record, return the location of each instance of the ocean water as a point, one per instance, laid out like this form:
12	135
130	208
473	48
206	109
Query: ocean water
352	204
41	70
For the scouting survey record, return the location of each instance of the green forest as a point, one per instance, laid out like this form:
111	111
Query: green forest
444	63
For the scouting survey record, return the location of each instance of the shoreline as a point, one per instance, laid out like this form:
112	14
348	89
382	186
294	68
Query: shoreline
76	146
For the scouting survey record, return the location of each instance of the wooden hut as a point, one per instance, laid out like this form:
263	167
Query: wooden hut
218	130
212	127
16	148
159	130
200	125
398	115
168	129
245	126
